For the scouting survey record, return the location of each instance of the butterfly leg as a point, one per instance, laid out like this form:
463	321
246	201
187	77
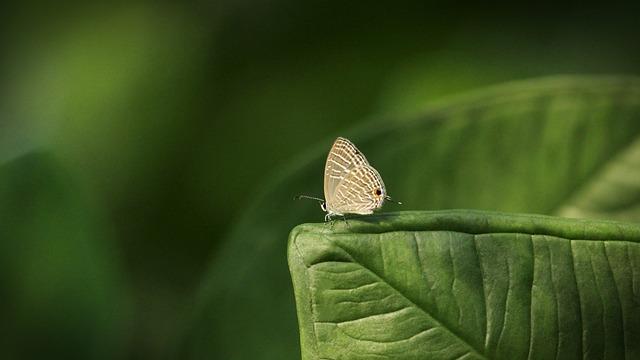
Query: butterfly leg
346	222
328	221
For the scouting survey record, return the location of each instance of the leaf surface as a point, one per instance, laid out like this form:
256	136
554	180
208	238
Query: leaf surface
467	284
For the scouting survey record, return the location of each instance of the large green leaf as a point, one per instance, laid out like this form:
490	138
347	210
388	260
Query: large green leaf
467	285
535	147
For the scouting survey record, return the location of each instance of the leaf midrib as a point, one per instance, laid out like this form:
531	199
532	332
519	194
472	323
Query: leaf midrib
594	176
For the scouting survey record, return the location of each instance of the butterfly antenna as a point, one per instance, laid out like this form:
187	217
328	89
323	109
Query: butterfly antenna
309	197
395	201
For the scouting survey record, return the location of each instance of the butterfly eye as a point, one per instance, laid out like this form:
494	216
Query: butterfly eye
378	192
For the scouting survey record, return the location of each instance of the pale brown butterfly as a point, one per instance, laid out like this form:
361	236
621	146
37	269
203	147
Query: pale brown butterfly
351	185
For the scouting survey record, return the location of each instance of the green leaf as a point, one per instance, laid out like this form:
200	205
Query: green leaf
62	291
530	147
613	192
467	284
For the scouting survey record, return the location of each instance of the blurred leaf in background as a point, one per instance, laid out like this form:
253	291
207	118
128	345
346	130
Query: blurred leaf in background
111	93
63	295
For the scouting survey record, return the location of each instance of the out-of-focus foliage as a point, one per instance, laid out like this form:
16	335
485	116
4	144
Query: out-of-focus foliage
172	114
63	294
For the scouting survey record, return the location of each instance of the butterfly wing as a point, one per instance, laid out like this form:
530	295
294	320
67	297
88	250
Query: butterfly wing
343	157
360	192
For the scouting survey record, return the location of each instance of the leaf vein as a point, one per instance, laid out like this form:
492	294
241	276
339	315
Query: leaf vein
484	294
615	285
413	304
575	279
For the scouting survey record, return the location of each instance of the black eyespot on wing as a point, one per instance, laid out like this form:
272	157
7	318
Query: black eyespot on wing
378	192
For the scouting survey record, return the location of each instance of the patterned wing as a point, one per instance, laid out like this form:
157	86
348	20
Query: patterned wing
342	159
360	192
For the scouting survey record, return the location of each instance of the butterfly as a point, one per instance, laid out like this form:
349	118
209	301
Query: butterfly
351	184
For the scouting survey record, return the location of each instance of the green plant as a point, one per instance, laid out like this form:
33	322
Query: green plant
467	285
541	146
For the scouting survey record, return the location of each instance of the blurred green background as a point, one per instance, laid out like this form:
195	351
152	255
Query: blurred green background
133	134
